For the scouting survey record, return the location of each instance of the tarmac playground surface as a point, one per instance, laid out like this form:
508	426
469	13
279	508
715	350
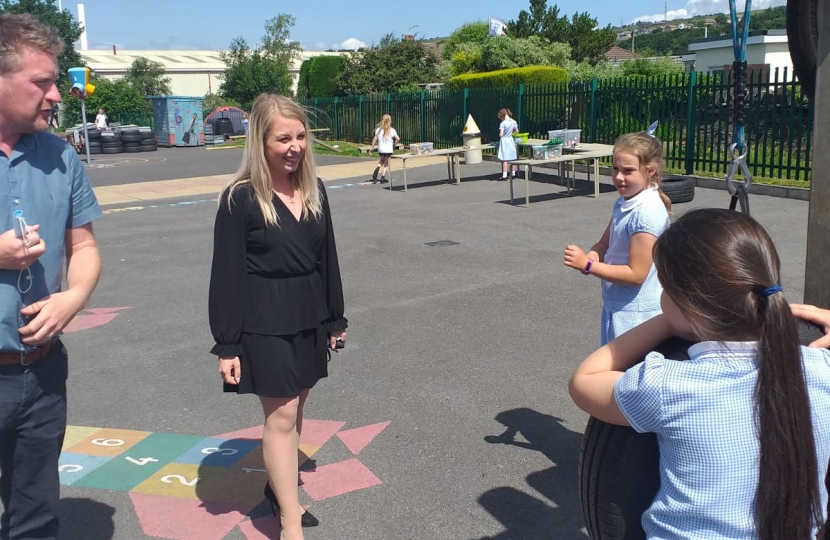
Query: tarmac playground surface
445	417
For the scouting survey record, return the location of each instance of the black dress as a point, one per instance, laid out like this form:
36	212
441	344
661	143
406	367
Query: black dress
275	294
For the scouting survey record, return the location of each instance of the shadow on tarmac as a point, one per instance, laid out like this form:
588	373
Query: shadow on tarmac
87	519
557	514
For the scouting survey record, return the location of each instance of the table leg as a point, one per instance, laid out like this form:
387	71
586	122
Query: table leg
404	175
458	169
389	172
596	178
510	179
528	174
449	167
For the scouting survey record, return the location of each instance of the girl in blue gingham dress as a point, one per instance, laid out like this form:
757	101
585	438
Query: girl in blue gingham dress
743	425
622	258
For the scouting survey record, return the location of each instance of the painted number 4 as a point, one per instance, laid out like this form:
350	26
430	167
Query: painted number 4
141	461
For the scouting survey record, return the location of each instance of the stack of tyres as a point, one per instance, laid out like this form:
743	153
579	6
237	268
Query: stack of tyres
131	140
148	141
110	143
94	141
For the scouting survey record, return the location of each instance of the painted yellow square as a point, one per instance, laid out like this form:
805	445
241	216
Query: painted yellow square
181	480
107	442
306	452
75	434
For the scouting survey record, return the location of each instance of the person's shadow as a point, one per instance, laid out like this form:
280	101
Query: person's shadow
87	519
523	516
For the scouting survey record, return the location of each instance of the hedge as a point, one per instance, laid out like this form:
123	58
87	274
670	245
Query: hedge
302	81
509	77
322	75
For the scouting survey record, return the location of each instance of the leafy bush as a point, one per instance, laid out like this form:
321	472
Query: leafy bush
302	81
474	33
509	77
116	97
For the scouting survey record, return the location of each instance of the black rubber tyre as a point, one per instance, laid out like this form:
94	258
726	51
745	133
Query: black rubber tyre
93	135
802	35
94	144
680	189
110	137
130	131
147	135
619	469
146	148
132	149
148	142
130	138
111	150
112	145
130	144
94	150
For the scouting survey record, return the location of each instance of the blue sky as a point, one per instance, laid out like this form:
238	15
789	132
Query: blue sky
323	24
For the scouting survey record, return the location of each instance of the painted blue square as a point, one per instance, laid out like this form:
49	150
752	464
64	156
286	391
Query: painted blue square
73	467
217	452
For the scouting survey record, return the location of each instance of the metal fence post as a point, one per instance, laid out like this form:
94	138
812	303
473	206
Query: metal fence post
593	134
465	94
336	120
388	103
423	116
360	117
519	106
691	138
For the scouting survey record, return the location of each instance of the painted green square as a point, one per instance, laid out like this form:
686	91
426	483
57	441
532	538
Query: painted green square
123	474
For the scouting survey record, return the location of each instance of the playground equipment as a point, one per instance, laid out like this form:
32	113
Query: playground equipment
81	88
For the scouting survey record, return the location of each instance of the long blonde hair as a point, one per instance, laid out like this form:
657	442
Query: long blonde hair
649	151
385	124
254	168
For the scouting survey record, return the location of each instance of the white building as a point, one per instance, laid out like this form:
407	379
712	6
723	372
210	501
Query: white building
191	73
764	48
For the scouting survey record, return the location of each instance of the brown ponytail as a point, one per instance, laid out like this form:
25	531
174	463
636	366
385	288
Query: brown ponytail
718	267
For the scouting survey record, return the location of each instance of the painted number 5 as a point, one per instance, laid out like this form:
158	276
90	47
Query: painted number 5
220	451
182	480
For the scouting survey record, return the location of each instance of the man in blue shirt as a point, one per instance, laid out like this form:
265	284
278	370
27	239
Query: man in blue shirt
46	210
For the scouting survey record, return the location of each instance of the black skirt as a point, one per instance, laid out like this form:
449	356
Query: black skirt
281	366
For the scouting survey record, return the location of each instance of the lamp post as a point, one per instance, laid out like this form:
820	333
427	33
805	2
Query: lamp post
409	30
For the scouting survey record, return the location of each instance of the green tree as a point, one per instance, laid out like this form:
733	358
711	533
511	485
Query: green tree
251	73
588	42
391	65
148	77
474	32
47	12
214	101
116	97
539	21
505	52
650	68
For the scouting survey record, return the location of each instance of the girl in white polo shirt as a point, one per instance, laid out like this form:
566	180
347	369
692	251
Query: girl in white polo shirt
385	138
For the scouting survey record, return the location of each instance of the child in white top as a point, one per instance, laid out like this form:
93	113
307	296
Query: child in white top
386	138
101	120
507	145
623	256
743	426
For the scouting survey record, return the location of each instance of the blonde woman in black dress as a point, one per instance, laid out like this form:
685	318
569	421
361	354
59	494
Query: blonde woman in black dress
276	299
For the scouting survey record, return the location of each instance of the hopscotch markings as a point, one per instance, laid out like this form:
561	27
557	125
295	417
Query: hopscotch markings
140	461
73	467
218	452
180	480
108	442
75	434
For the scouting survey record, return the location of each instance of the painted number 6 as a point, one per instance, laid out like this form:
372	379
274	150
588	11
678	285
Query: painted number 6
108	442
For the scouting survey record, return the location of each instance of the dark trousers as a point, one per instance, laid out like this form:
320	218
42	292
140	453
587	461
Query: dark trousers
32	427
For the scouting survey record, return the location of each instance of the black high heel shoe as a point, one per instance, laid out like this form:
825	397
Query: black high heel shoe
307	519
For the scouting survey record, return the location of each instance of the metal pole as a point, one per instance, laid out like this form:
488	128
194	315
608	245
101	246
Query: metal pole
86	133
816	280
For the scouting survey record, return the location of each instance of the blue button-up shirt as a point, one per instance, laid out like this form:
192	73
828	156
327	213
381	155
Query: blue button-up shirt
45	180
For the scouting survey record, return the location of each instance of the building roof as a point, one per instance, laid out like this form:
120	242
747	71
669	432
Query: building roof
618	54
755	36
118	61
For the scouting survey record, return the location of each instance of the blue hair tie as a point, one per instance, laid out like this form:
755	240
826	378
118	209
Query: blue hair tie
769	291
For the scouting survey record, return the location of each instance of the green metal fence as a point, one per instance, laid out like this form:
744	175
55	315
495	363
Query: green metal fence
139	119
694	113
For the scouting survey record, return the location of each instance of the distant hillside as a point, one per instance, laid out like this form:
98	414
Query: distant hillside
672	38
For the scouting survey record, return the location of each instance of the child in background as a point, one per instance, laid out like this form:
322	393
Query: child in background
507	146
743	427
622	258
386	138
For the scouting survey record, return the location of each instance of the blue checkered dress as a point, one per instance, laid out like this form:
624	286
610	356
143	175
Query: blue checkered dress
703	413
624	306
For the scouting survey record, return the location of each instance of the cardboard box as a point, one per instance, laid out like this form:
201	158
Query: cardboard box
570	137
553	151
421	148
